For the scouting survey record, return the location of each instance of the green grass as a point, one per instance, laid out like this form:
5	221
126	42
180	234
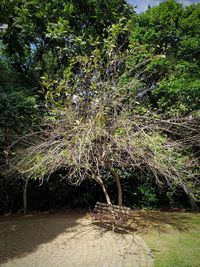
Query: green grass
174	238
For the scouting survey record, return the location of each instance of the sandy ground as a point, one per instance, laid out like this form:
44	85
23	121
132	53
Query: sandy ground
67	240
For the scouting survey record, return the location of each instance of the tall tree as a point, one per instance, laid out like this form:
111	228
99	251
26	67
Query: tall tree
42	36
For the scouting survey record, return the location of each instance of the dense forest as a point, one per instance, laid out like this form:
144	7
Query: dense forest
98	102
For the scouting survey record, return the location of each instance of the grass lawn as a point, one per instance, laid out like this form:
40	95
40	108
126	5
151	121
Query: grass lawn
174	237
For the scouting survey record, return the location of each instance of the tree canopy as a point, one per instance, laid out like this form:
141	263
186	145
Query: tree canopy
92	90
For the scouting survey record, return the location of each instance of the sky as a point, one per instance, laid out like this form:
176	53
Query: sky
143	4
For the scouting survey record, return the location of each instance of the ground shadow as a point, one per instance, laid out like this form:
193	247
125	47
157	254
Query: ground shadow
20	236
144	221
112	226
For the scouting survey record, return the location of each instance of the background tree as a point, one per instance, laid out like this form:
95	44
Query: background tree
48	34
170	35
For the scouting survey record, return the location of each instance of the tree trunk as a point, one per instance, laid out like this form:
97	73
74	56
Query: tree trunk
100	182
119	188
25	196
191	197
193	203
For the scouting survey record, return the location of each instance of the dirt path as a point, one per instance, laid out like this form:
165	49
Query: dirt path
67	240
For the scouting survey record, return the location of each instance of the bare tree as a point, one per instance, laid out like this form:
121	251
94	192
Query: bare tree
104	138
97	129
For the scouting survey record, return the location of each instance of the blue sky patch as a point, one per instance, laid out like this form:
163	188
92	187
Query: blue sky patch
142	5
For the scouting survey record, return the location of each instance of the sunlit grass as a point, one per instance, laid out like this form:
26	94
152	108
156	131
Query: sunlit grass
174	238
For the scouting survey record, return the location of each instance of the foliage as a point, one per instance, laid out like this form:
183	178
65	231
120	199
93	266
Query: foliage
18	108
48	35
170	35
149	198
